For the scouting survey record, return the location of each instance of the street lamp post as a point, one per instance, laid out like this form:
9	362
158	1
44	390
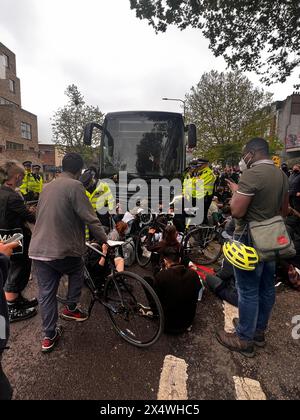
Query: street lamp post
177	100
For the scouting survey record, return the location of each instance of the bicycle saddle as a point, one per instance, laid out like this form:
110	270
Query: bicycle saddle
114	244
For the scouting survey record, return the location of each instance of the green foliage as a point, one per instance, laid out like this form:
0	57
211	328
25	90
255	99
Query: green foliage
68	125
261	36
227	110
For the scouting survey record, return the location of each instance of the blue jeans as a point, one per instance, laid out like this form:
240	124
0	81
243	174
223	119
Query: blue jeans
48	276
256	292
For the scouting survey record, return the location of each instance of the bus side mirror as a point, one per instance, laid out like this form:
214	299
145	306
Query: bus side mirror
88	132
192	136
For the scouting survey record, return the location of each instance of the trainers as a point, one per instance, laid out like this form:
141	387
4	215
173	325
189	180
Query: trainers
17	313
234	343
26	303
259	338
48	344
77	314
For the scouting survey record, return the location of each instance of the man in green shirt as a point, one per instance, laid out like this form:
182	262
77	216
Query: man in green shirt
261	194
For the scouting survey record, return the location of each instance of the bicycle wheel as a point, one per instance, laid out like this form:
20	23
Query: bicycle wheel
133	308
203	245
143	256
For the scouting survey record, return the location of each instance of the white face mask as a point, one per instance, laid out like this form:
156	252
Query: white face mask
243	165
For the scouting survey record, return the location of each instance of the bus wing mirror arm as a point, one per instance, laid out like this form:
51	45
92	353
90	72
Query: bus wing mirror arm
88	132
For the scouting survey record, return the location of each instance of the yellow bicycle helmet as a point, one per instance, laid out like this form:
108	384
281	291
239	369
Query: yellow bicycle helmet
241	256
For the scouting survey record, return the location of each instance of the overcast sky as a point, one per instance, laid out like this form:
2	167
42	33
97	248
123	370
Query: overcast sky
116	60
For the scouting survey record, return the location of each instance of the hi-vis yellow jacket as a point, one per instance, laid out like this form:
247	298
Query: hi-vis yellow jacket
190	188
29	184
38	184
99	198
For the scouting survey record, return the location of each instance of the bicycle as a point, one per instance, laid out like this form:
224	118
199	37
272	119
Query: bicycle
126	298
159	223
200	244
203	244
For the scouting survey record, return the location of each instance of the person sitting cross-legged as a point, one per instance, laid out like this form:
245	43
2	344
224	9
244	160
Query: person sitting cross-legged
177	288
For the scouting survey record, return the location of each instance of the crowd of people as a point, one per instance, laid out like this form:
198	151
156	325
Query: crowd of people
66	216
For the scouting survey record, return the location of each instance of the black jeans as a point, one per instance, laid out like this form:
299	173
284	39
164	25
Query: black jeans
228	293
48	275
20	269
6	391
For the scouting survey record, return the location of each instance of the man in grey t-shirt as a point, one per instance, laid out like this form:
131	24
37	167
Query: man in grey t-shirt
261	194
58	245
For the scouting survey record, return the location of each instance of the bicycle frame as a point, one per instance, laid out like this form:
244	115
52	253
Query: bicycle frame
92	287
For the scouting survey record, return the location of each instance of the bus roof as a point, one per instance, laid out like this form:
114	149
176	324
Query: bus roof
157	113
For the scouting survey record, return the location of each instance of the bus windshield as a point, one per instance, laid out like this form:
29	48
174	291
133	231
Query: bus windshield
144	144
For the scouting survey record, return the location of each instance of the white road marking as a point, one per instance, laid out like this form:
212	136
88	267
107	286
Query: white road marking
173	379
248	390
230	312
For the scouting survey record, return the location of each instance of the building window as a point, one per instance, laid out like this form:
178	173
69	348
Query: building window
13	146
5	102
6	60
26	131
12	86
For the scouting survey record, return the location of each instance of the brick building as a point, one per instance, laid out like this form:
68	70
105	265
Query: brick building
18	128
51	159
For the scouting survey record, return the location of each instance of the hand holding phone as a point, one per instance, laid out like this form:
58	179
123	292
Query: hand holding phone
17	237
7	249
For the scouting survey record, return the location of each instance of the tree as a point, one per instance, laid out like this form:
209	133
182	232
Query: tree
261	36
68	125
227	110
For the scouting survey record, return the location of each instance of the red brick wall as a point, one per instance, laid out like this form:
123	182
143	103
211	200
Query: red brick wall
47	154
10	74
10	126
20	156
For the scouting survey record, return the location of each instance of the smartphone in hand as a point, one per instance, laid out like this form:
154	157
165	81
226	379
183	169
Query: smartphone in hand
17	237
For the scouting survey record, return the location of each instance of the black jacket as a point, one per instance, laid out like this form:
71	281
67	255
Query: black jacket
178	289
13	212
15	215
4	324
294	184
294	188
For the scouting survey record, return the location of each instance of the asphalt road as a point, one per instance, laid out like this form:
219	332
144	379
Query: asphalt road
92	362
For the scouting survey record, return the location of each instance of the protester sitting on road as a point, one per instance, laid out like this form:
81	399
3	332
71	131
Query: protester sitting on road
5	252
214	213
118	234
58	245
14	216
223	284
169	239
177	288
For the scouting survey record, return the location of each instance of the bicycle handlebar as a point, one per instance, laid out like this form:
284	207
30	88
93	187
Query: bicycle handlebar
95	249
